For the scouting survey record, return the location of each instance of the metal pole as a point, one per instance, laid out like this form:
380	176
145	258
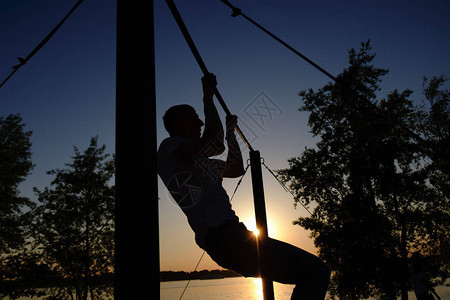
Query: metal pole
136	212
255	158
261	218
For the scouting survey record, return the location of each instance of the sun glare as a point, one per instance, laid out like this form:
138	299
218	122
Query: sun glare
250	224
255	231
257	287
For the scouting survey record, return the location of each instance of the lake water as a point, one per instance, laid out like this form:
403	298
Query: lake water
221	289
239	288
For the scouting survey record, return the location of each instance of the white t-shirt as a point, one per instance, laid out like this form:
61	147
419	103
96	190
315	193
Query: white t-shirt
196	186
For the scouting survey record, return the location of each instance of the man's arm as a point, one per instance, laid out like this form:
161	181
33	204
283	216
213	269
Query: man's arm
234	166
212	138
211	142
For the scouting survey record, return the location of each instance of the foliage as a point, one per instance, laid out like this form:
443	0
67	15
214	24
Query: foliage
380	193
15	165
74	223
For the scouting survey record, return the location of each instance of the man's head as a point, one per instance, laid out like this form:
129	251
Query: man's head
182	120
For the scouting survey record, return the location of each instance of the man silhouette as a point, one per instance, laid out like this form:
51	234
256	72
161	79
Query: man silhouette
195	182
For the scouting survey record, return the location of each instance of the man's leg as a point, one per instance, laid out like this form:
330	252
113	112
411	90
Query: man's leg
288	264
235	248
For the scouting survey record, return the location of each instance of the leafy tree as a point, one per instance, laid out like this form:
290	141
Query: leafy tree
378	193
24	274
75	223
434	124
15	165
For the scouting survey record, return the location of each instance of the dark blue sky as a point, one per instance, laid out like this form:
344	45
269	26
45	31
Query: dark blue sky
66	93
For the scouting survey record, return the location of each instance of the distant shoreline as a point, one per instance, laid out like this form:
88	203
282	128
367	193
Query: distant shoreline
201	275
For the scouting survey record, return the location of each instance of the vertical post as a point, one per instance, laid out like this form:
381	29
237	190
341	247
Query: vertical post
260	214
136	212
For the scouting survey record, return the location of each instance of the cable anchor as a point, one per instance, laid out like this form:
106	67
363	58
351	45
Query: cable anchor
236	12
22	62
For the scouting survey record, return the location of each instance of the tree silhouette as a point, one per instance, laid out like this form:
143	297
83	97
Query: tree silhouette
15	165
75	223
379	194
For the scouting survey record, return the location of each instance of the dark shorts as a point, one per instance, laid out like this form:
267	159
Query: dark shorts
234	247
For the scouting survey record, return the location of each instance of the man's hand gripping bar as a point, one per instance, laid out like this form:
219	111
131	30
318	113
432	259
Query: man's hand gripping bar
202	65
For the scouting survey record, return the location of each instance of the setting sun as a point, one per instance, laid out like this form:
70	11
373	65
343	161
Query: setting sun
251	225
255	232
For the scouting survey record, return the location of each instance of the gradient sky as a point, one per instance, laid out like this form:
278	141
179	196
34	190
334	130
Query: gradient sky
66	93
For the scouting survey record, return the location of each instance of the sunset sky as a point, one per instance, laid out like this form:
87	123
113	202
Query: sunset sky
66	93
